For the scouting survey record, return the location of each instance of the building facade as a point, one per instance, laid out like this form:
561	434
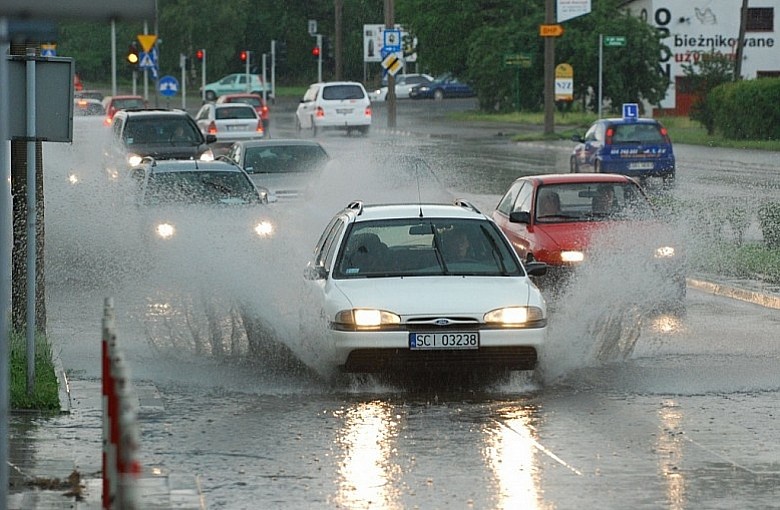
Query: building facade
695	28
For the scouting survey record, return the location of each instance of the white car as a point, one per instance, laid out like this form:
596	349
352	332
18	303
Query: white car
230	122
334	105
402	292
403	84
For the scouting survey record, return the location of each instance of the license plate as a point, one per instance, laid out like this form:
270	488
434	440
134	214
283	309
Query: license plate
443	341
236	128
344	111
642	165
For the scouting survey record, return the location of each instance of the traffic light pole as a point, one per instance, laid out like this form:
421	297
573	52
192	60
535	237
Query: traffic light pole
319	58
273	68
246	71
203	77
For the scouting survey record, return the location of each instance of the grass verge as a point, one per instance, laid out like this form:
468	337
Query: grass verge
45	396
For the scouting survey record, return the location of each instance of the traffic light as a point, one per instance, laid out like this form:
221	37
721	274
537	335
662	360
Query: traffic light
327	48
243	56
132	55
199	54
281	51
315	52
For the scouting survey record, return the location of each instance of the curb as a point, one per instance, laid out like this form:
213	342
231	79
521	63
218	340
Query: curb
750	296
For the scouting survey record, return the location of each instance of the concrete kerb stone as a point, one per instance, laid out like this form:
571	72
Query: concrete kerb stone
767	300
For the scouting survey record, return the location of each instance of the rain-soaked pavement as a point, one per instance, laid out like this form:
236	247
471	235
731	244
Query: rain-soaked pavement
629	410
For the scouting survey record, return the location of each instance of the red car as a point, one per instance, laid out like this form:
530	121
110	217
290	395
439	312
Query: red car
256	100
113	104
572	220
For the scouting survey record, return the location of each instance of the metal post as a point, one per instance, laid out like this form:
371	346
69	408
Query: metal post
390	99
601	69
265	89
146	71
246	71
31	224
183	62
203	77
135	81
273	69
6	241
113	57
549	71
319	58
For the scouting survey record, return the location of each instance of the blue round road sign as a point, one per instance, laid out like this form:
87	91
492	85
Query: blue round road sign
168	86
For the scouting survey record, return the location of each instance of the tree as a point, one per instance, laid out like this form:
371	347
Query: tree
711	70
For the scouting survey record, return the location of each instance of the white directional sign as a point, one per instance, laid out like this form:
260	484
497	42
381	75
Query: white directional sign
168	86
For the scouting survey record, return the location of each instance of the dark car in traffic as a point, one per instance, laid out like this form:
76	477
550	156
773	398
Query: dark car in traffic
442	87
158	133
637	147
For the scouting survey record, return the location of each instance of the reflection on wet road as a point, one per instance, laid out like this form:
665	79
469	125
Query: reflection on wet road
637	410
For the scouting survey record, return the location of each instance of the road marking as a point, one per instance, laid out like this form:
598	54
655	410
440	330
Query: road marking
539	446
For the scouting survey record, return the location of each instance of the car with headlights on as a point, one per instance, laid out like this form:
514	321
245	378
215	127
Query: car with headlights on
575	221
187	202
229	122
157	133
404	83
286	167
421	288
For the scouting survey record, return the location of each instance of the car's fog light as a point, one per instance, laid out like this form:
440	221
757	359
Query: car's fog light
572	256
165	230
264	229
664	252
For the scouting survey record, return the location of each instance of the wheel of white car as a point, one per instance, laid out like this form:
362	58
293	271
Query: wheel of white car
298	127
313	127
438	94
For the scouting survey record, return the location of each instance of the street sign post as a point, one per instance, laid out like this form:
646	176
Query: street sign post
614	40
168	86
550	30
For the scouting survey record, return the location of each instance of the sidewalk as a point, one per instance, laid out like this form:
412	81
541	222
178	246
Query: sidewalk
56	462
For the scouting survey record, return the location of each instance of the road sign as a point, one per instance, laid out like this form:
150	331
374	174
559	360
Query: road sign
168	86
312	27
392	40
48	50
517	60
630	111
564	82
147	41
146	60
550	30
393	63
614	40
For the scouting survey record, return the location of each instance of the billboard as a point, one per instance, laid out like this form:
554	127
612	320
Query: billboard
373	41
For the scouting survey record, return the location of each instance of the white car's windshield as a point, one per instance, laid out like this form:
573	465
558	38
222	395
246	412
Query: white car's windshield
425	247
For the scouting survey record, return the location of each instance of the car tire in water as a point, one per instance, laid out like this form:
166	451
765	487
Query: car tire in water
597	166
210	95
364	130
313	128
438	94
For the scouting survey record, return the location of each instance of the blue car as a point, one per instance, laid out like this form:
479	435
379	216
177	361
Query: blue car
637	147
443	86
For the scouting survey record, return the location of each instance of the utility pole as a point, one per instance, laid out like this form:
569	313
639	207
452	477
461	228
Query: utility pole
740	41
338	7
549	71
390	99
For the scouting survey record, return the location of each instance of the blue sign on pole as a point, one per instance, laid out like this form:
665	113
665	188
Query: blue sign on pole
168	86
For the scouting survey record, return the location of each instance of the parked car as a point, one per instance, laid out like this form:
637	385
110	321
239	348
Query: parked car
287	168
113	104
442	87
229	122
573	221
255	100
186	202
334	105
391	283
404	83
159	133
638	147
236	83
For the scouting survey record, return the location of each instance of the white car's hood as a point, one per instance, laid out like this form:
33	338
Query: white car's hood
472	295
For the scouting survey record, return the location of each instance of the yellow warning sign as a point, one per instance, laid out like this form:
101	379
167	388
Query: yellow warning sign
147	41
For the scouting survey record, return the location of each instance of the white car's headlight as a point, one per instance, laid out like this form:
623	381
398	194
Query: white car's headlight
514	315
572	256
134	159
366	318
207	155
264	228
664	252
165	230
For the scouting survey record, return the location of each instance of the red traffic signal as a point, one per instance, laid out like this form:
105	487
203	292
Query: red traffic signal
200	54
315	51
243	55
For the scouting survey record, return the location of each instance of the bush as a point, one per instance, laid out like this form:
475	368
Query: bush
769	221
747	110
46	392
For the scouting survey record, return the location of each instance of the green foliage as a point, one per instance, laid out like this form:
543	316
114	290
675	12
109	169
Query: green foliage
46	392
769	221
711	69
747	109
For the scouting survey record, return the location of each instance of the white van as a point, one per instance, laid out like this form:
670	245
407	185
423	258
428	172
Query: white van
335	105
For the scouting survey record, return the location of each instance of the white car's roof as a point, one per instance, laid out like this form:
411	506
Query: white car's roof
396	211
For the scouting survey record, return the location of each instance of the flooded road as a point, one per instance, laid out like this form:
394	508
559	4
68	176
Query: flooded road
631	410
